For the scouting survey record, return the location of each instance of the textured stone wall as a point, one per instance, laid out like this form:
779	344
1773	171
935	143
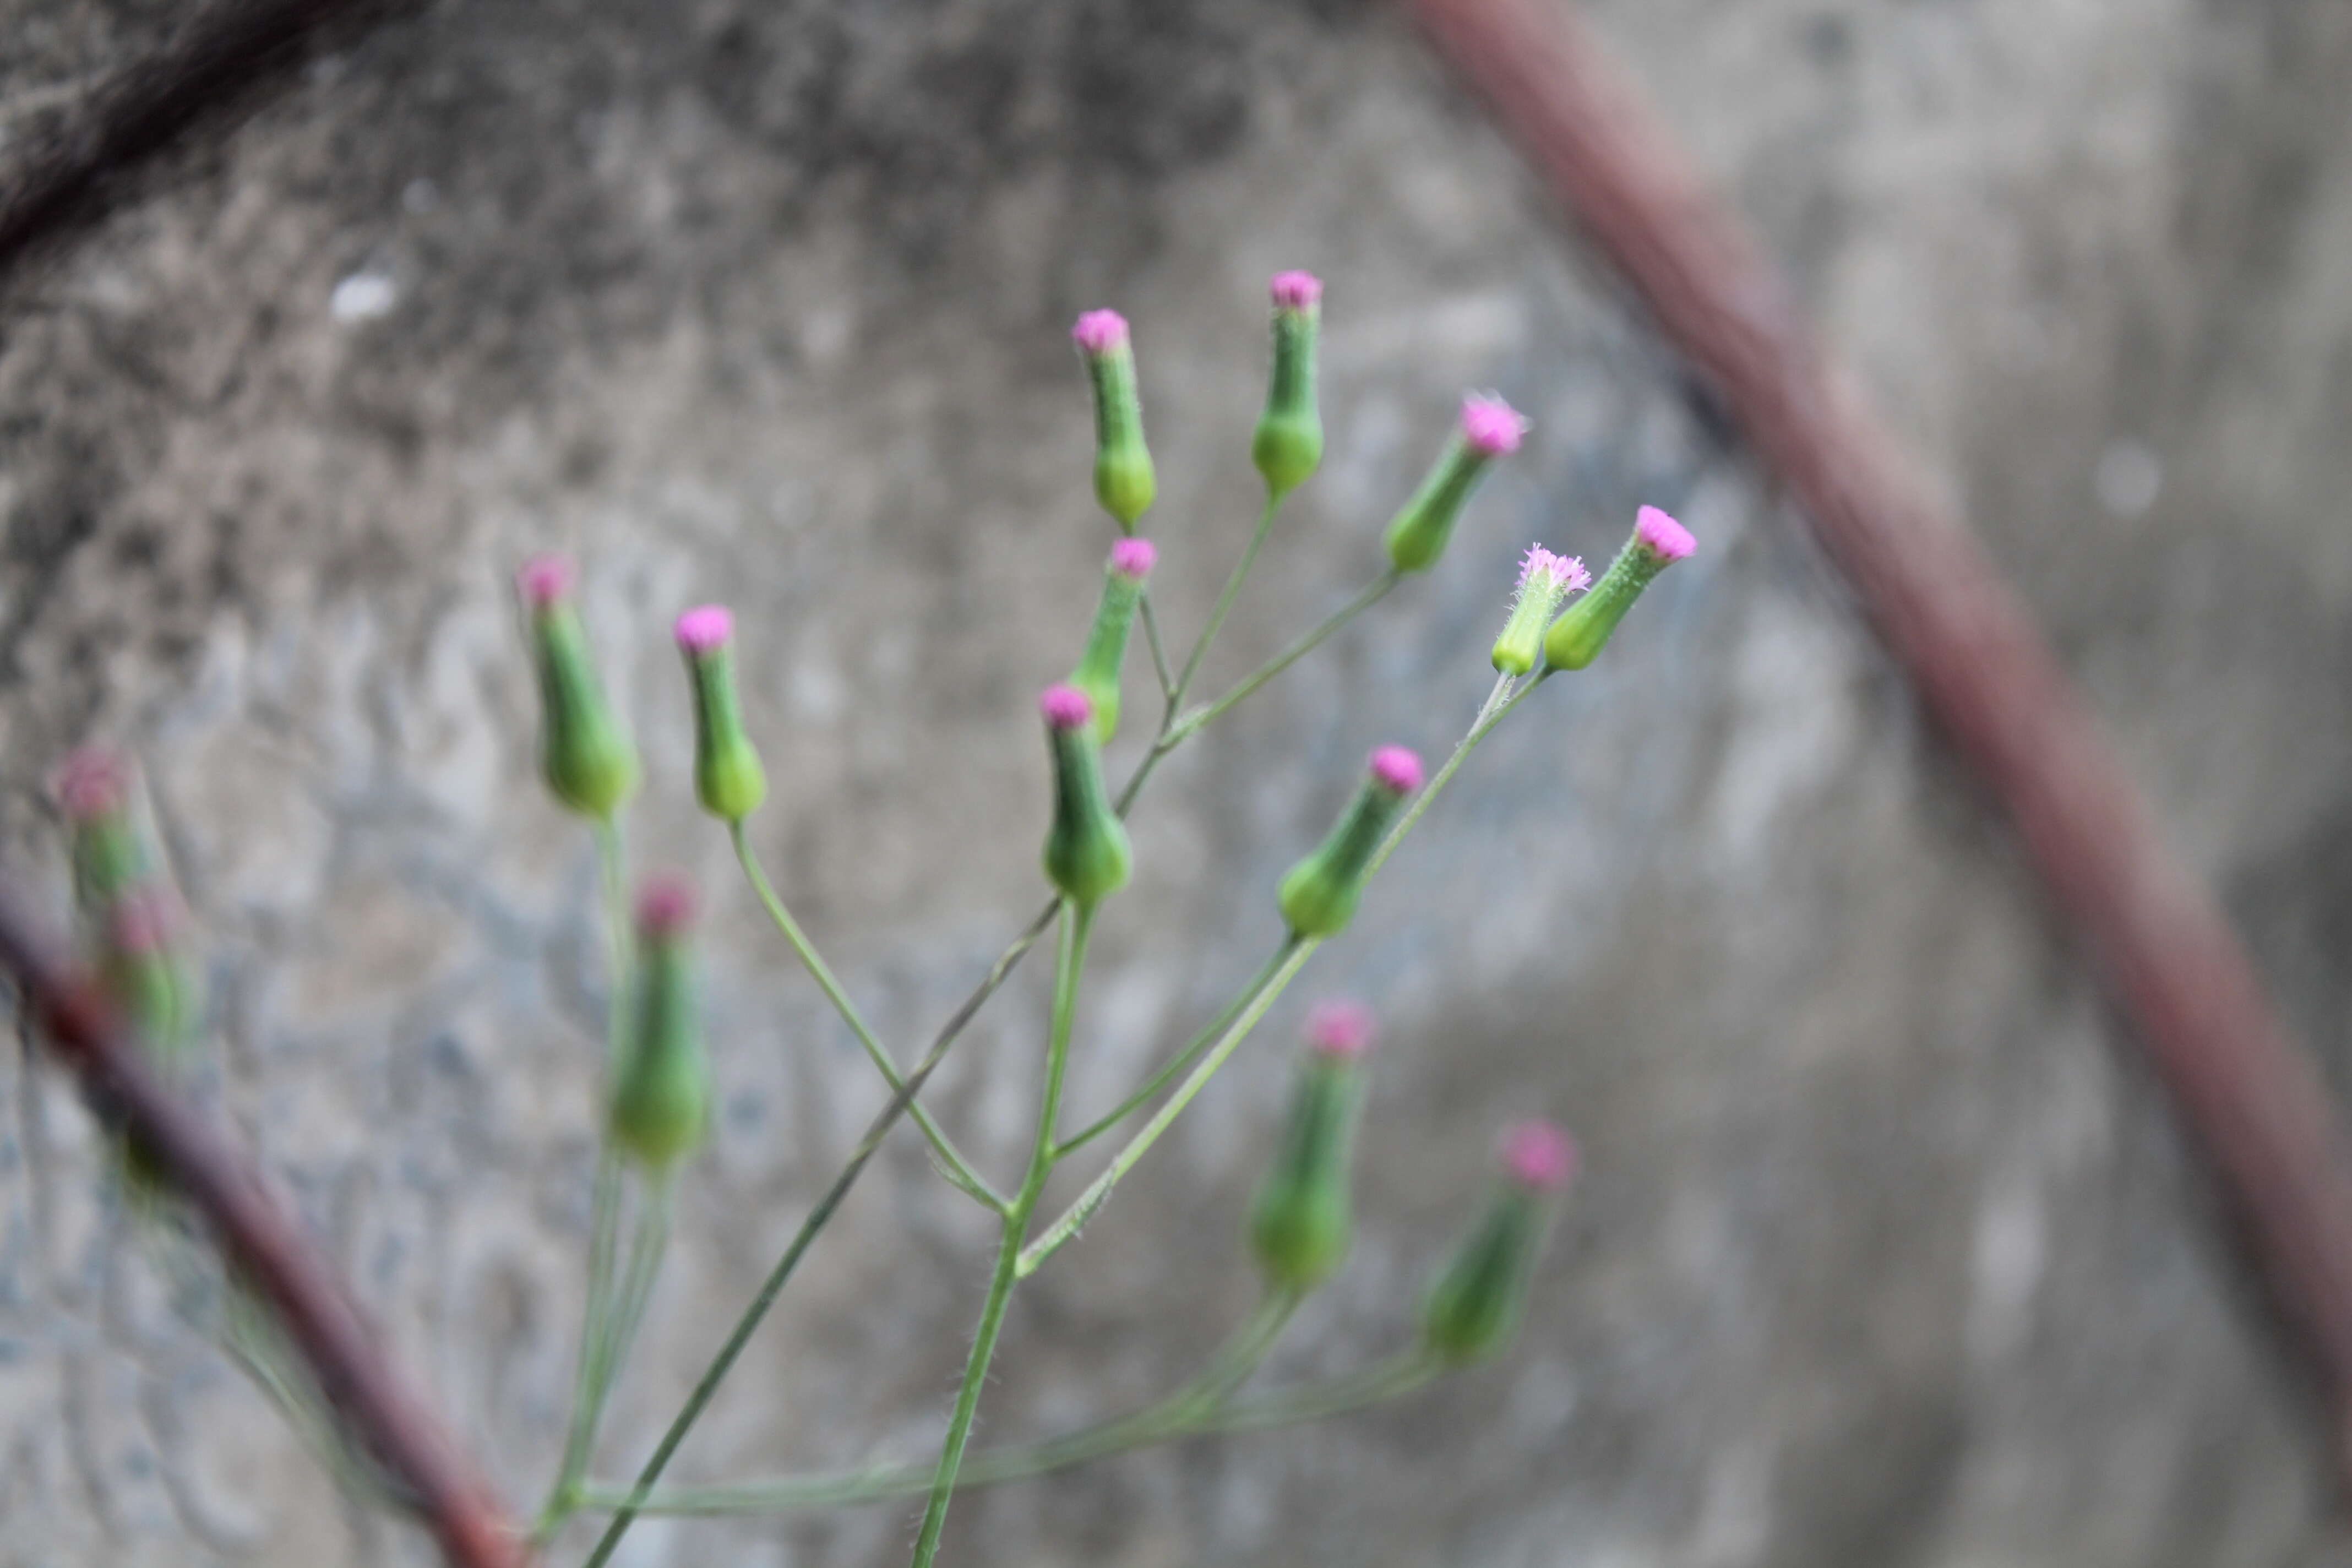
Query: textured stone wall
1886	1254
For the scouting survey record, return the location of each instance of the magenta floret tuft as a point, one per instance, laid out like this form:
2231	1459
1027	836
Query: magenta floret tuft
1397	769
1295	290
1342	1031
546	579
1491	426
1065	706
1099	331
1661	535
705	629
1134	557
1539	1156
666	905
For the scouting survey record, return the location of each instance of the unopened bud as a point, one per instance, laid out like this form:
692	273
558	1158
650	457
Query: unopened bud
1086	851
1319	895
661	1086
1577	639
1131	560
584	754
96	792
1474	1306
727	777
1124	482
1545	579
142	968
1417	536
1288	444
1300	1221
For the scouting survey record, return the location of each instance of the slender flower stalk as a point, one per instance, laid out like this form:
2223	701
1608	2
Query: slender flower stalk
1070	961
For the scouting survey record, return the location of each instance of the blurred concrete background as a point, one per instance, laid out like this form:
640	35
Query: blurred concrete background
1886	1255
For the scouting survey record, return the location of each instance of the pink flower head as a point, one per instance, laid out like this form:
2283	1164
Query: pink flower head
1661	535
664	906
1554	575
545	579
1396	769
705	629
1539	1156
93	782
1134	557
144	920
1065	706
1491	426
1339	1031
1099	331
1295	290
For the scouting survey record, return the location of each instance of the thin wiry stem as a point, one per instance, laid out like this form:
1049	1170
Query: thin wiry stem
1224	604
1069	962
756	1310
1175	1064
949	1158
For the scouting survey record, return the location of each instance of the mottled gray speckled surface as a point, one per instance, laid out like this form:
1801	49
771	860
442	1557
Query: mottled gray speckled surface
1886	1257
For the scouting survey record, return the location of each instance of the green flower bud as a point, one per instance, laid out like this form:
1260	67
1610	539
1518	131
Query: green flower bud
140	967
1319	895
1545	579
1087	852
1288	444
111	853
1577	639
583	752
661	1086
1417	536
1124	482
143	973
1300	1221
1105	653
1475	1304
727	777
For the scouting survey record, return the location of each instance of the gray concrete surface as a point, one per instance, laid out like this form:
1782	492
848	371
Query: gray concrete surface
1886	1255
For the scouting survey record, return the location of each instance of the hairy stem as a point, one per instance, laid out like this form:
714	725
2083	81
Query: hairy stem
1374	592
1296	951
1175	1064
1226	600
949	1160
1068	962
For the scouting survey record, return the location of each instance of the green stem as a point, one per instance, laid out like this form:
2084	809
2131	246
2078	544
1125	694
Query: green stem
1159	653
1226	600
1175	1064
1296	951
951	1163
1376	590
822	1213
1068	962
603	1234
1158	1424
1498	702
706	1387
